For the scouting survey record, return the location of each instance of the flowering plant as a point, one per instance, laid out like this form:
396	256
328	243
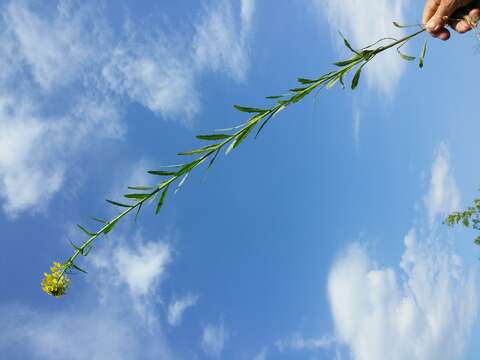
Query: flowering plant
57	281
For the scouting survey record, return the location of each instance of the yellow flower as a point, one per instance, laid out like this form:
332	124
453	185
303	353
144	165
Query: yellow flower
53	284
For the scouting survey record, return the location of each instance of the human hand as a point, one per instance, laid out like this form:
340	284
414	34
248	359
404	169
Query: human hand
460	15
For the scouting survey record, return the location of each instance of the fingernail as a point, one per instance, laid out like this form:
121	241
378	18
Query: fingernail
432	26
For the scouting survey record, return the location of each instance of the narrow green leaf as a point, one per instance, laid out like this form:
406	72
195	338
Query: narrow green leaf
138	212
274	97
171	166
267	120
396	24
188	167
161	200
140	188
87	250
300	89
213	137
378	41
161	173
332	82
341	81
118	204
404	56
422	54
230	129
347	62
212	161
230	148
75	246
347	44
306	81
98	220
299	96
242	136
136	196
200	151
89	233
249	109
180	184
356	77
110	226
78	268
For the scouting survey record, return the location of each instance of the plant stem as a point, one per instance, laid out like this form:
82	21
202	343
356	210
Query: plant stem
262	116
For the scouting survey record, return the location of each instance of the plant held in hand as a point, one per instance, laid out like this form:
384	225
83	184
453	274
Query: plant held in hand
57	281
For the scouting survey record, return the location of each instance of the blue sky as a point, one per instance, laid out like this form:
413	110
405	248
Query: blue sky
322	239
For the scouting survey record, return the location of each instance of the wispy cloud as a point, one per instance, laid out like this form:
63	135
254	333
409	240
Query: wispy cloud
72	49
424	309
83	333
177	308
298	342
141	268
443	196
103	323
34	149
55	49
151	71
221	42
214	338
354	19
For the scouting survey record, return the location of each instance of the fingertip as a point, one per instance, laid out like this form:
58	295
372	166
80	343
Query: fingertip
462	27
444	35
474	14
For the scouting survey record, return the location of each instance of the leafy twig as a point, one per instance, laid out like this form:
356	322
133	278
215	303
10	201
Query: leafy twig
469	218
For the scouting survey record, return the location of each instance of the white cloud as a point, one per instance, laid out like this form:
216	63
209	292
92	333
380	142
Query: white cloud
364	22
425	309
27	178
56	49
297	342
153	73
423	312
247	10
443	196
141	268
213	339
220	43
82	333
100	324
177	308
68	46
34	149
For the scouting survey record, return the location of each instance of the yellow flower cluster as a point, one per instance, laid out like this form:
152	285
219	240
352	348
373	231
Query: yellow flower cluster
52	284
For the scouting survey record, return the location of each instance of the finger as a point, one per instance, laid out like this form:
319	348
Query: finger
469	21
473	16
460	26
429	10
445	9
444	34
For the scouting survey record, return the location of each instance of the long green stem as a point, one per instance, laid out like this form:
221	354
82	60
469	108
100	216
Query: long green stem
238	134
